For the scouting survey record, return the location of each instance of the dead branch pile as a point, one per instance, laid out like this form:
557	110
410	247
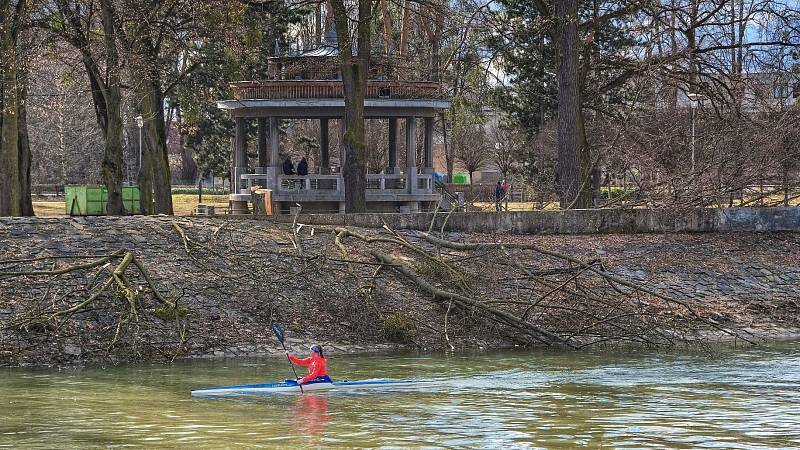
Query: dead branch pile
105	288
542	297
204	286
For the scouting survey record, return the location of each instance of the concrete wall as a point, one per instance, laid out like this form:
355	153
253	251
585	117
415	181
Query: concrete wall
586	221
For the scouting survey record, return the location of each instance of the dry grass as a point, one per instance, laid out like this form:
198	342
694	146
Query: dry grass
515	206
49	209
183	204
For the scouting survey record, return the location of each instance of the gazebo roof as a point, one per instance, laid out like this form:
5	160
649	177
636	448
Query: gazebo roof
329	48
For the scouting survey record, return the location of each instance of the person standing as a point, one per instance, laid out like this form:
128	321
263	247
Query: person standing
288	167
499	193
302	167
506	191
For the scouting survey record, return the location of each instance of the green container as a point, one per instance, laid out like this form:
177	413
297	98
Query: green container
460	178
90	200
130	198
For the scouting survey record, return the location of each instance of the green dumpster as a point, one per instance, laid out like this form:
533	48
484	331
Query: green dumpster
130	198
90	200
460	178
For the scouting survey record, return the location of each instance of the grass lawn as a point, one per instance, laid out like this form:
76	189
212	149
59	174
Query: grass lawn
182	204
513	206
49	209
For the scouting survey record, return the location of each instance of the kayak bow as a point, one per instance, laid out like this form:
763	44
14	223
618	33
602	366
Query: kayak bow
289	387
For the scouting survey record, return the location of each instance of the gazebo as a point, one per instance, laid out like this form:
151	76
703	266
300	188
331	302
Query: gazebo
308	86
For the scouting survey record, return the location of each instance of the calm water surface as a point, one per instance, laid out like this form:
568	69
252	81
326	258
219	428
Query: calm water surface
733	399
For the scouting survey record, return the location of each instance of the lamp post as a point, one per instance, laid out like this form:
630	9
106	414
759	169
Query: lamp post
694	98
140	124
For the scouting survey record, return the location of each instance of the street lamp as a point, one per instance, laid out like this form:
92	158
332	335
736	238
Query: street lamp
694	98
140	124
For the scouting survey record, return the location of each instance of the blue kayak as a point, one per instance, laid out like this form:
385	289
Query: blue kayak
291	387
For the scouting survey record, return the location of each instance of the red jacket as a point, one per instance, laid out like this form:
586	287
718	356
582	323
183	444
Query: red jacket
317	366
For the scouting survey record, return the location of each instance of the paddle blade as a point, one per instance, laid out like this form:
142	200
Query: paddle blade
276	328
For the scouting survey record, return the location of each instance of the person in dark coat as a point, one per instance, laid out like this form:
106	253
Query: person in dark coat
288	167
302	167
499	193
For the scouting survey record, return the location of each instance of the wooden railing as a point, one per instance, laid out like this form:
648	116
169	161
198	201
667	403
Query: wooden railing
291	89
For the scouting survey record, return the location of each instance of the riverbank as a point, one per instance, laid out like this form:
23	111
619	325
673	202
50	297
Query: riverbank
227	280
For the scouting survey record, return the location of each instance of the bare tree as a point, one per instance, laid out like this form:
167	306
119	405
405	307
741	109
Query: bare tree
471	148
77	24
66	143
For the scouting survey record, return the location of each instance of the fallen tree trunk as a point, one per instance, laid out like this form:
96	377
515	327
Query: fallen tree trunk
637	287
443	296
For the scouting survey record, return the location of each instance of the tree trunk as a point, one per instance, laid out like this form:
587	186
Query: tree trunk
387	27
354	76
145	180
405	27
26	203
318	31
10	192
188	166
568	104
15	156
449	160
438	24
155	133
112	158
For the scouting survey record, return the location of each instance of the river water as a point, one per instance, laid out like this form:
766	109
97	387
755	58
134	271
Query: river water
731	399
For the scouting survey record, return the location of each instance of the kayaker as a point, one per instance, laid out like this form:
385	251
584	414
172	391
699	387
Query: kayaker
316	363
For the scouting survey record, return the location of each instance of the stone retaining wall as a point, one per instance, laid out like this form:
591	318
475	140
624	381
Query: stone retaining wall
585	221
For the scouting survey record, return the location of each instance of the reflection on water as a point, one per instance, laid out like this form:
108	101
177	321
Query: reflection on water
311	414
735	399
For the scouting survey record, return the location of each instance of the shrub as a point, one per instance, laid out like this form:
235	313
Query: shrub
399	327
614	192
171	309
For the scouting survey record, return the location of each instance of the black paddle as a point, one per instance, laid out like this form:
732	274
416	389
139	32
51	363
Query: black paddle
276	328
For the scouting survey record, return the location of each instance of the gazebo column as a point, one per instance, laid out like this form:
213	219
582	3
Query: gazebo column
393	167
263	162
324	151
239	164
274	164
428	149
411	154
